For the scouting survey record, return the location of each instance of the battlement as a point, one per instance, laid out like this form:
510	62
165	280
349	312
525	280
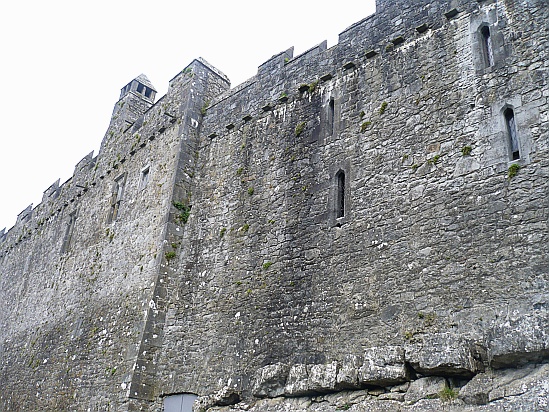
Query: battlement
117	147
373	36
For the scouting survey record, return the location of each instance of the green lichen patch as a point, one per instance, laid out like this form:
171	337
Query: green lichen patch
466	150
300	128
513	170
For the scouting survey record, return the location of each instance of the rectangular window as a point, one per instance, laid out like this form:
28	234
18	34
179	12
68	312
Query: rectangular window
144	178
331	115
116	200
487	46
512	134
340	200
68	233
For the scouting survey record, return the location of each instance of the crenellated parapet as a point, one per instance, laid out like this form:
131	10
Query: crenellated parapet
135	124
136	119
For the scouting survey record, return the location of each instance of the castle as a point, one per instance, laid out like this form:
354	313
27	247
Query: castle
362	227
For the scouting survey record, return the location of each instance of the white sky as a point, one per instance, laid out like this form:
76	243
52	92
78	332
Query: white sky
64	62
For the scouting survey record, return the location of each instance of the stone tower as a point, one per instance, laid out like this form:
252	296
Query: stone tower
135	99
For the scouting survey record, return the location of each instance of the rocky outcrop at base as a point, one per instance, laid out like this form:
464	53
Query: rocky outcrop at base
521	389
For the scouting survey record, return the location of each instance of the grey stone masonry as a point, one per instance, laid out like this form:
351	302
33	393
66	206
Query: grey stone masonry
361	227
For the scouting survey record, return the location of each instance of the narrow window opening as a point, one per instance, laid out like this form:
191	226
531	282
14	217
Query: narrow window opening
125	90
148	92
140	88
512	133
144	178
331	114
487	46
68	233
118	191
340	200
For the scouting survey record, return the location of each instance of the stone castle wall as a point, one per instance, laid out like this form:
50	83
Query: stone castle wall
78	298
242	270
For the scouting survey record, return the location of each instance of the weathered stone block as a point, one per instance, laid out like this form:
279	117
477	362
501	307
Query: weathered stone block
298	381
425	388
322	378
383	366
225	396
311	379
270	380
522	339
475	392
347	376
466	165
445	354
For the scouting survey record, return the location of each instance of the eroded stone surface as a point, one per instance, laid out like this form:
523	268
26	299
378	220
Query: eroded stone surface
270	380
423	388
383	366
446	354
423	395
311	379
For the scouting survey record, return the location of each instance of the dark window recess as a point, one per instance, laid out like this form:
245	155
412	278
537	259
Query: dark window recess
349	65
144	178
512	133
331	113
340	199
398	40
326	77
423	28
140	88
487	49
148	92
451	13
118	192
68	233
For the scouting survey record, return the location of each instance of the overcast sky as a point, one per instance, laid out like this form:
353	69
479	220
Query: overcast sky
63	64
